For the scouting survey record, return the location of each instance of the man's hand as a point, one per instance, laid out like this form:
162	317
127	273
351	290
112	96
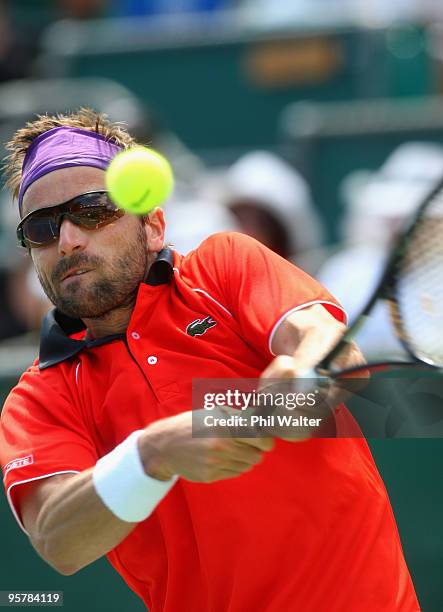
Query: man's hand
301	342
307	336
167	447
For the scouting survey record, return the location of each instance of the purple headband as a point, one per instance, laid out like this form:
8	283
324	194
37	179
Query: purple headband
63	147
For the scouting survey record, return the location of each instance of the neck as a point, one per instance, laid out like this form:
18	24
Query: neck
114	322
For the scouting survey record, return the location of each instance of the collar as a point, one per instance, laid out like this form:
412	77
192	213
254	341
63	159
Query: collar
55	342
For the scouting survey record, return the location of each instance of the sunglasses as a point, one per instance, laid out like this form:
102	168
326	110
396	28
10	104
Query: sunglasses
88	210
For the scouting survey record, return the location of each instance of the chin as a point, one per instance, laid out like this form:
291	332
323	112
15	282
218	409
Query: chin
79	310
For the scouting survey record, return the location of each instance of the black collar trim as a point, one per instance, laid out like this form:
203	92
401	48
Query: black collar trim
162	269
56	345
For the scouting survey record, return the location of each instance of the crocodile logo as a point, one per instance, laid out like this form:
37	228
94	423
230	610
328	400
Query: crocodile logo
200	326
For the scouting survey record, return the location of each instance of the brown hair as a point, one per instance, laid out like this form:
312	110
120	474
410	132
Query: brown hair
84	118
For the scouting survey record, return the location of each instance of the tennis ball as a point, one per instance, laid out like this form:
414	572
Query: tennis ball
139	179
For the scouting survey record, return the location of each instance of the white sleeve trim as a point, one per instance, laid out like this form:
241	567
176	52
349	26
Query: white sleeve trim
301	307
8	493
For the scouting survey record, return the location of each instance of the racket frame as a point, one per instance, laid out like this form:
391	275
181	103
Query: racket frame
385	290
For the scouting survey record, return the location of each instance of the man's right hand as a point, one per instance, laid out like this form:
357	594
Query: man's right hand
167	447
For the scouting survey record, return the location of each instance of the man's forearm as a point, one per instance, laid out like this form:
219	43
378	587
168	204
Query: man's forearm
307	335
69	524
74	527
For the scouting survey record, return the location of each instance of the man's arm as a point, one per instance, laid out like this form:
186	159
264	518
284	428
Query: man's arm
303	339
68	523
70	526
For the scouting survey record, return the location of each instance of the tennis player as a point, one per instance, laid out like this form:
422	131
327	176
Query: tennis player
96	439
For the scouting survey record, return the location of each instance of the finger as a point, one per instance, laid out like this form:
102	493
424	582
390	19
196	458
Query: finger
229	473
239	452
351	357
242	466
220	451
262	443
283	366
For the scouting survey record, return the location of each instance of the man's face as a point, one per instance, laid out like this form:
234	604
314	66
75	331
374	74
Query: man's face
112	260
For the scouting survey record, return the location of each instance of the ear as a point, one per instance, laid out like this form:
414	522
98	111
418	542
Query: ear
155	229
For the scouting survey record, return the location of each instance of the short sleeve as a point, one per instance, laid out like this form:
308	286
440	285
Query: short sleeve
42	432
257	286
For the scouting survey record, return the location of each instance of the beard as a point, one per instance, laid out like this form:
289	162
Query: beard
116	287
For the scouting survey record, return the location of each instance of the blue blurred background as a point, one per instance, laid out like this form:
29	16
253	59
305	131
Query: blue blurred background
313	125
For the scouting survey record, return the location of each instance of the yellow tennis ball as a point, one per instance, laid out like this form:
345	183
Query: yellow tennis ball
139	179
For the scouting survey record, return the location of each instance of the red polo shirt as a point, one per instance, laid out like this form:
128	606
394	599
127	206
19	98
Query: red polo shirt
310	529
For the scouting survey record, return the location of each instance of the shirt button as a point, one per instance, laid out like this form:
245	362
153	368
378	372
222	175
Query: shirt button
135	335
152	359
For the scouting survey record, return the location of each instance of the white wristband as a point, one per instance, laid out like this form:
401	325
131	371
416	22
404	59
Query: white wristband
122	484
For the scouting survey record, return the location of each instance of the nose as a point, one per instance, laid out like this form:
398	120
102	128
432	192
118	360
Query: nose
72	238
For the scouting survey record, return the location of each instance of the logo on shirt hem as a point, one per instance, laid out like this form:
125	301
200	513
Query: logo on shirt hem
200	326
19	463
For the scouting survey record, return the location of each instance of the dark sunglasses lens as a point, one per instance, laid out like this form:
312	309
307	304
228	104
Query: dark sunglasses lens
93	217
90	200
91	211
40	230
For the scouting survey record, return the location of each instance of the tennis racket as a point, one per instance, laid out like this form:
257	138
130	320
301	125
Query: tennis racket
412	287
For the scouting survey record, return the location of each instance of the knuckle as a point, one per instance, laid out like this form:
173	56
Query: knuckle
246	468
268	444
255	456
210	461
210	473
216	445
286	367
284	361
341	327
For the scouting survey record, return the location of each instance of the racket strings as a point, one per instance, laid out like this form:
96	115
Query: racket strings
419	286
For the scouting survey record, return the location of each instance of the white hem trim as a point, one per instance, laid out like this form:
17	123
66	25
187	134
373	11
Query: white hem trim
301	307
8	493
